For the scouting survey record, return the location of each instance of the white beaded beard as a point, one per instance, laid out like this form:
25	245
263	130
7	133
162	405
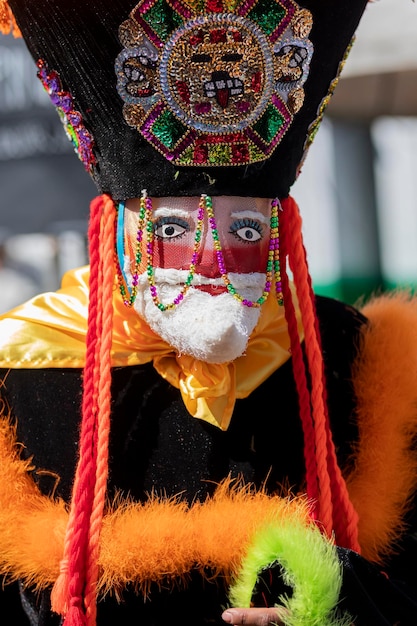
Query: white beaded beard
214	329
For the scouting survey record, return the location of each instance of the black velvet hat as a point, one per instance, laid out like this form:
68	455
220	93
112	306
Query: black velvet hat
184	97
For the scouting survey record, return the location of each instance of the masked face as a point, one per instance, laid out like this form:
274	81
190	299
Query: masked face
209	323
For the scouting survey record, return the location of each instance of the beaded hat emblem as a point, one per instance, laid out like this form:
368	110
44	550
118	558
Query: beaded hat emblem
214	83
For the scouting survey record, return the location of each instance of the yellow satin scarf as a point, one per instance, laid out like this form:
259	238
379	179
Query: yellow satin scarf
50	331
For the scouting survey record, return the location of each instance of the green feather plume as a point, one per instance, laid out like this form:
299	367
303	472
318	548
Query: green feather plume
310	566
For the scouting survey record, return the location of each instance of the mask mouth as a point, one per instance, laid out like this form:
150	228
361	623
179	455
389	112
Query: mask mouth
222	86
214	290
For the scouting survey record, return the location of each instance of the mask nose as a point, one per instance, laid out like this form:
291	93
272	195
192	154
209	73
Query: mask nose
207	264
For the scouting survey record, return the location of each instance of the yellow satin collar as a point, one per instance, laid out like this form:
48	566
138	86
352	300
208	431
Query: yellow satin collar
50	331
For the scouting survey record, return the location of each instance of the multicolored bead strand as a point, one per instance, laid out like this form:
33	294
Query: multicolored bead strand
149	253
129	301
274	245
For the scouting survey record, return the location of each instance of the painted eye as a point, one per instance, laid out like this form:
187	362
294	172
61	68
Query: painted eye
170	227
247	230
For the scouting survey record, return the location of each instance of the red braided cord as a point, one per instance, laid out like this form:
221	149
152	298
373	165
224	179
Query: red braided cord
298	365
69	588
103	407
298	265
345	519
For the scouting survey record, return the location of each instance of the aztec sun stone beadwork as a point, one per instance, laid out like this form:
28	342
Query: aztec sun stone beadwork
217	85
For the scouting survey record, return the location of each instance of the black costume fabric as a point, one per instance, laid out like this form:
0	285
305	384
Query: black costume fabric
156	445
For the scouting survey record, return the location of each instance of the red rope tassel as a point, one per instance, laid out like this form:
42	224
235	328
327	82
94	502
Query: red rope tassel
79	576
334	509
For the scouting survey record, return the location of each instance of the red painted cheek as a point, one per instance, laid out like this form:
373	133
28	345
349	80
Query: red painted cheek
173	254
246	258
167	255
239	258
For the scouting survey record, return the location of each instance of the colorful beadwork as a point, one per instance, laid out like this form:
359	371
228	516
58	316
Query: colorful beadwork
315	125
145	222
71	119
214	83
129	294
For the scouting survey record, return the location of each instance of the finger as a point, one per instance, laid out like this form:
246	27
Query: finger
253	616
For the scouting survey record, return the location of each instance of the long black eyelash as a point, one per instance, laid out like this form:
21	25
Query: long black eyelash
170	219
248	222
161	221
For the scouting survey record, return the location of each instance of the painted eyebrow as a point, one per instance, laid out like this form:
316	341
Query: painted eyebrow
168	212
254	215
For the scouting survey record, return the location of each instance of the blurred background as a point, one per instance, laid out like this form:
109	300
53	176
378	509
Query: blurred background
357	192
358	189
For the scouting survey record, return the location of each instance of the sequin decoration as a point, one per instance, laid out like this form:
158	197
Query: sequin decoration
315	125
214	82
71	119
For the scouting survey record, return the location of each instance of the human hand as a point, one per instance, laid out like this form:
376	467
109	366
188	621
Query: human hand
254	616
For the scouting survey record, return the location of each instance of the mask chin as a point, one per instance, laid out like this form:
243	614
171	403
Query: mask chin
214	329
